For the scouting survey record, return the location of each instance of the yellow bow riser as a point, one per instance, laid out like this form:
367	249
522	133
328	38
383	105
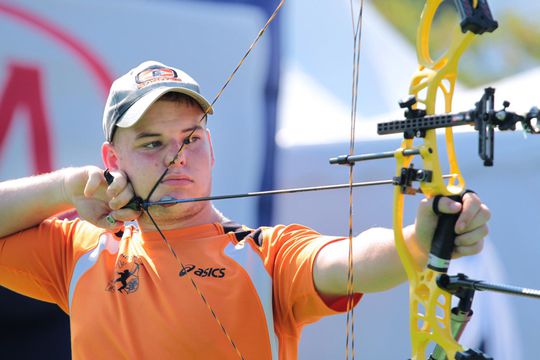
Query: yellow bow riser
429	305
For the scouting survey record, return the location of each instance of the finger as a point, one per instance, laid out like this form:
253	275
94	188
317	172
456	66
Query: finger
122	199
471	207
481	218
473	249
471	237
118	184
473	217
95	180
445	205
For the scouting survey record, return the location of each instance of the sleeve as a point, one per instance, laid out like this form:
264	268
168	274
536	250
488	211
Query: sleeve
290	252
38	262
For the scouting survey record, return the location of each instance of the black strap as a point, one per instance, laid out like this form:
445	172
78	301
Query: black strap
435	205
436	199
467	192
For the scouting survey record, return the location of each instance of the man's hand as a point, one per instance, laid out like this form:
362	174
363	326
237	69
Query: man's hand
96	201
376	262
471	226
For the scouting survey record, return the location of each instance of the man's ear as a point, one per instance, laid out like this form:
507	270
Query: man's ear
211	147
109	155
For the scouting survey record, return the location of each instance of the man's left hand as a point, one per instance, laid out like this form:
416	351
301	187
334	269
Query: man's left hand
471	226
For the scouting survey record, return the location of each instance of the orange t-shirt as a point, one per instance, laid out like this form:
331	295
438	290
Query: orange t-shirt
129	297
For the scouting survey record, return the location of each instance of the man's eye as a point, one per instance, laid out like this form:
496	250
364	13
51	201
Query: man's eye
152	145
191	139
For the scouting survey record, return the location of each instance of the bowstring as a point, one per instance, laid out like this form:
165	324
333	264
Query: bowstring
218	95
187	141
357	35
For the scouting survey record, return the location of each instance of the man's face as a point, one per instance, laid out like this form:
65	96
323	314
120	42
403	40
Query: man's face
146	149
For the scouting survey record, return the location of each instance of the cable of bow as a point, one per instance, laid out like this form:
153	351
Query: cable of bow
356	21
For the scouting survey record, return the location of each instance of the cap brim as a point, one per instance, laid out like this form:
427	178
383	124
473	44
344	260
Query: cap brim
137	110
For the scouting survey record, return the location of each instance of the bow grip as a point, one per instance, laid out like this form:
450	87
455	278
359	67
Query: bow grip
442	244
136	203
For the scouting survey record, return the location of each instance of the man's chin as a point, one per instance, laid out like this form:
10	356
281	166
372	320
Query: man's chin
172	213
170	202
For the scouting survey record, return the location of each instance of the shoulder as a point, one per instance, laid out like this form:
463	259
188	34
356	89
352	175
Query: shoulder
284	233
79	233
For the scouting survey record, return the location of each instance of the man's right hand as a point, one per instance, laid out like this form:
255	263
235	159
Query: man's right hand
96	201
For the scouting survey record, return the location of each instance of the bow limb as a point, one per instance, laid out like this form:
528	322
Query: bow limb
429	305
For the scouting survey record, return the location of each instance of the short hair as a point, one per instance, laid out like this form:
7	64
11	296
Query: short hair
183	99
173	96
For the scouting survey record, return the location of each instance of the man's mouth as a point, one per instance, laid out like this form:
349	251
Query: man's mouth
177	180
174	183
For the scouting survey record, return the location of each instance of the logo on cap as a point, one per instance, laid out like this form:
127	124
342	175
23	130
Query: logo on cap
156	74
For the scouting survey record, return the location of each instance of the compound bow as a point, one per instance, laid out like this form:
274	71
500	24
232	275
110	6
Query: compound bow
432	321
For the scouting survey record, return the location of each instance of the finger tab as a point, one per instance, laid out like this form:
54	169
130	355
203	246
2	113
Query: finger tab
435	205
108	176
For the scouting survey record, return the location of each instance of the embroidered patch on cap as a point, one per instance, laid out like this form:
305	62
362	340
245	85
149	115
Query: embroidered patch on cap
155	74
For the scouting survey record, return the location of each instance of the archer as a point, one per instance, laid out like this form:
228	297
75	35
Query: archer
272	280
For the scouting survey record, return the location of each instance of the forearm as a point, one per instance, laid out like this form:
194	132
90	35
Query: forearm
377	266
28	201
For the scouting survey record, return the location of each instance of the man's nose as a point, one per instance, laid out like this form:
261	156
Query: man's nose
176	155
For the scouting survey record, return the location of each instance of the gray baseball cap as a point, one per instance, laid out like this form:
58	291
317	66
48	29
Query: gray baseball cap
133	93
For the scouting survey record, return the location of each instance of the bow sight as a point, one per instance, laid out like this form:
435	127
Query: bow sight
483	117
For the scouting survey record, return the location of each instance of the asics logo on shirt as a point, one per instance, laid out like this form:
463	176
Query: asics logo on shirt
203	272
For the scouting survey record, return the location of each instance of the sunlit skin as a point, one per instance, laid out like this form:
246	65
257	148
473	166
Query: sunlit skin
144	151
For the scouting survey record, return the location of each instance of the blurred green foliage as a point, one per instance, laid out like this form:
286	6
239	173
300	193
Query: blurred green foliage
512	48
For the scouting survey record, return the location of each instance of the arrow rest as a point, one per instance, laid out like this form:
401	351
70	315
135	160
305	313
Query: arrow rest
410	174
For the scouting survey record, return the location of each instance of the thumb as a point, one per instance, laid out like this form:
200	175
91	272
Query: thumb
444	205
93	183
